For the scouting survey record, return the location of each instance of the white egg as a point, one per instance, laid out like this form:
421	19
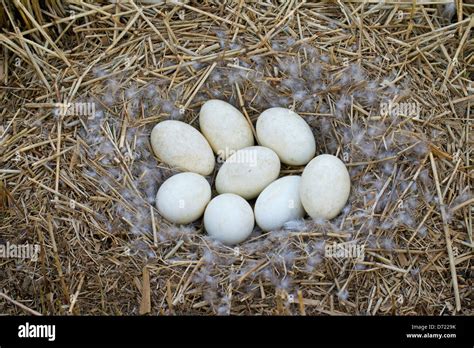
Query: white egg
325	187
180	145
229	219
182	198
224	127
286	133
279	203
248	171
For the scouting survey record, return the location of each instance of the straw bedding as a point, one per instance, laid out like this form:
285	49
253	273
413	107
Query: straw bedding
385	87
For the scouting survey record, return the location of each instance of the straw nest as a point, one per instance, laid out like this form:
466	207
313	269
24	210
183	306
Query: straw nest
82	185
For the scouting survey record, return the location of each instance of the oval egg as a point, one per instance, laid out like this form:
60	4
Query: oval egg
224	127
180	145
286	133
229	219
182	198
325	187
248	171
279	203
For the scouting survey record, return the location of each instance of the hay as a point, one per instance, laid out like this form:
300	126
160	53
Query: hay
83	187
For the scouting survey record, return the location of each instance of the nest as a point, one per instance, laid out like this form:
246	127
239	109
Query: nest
385	87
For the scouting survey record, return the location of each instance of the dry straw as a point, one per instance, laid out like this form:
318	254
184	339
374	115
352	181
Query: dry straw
81	183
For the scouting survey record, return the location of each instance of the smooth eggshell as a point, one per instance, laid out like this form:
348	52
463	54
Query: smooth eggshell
183	197
229	219
224	127
180	145
286	133
248	171
325	187
279	203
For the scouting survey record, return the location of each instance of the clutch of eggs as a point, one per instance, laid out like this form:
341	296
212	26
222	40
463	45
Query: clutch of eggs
248	172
